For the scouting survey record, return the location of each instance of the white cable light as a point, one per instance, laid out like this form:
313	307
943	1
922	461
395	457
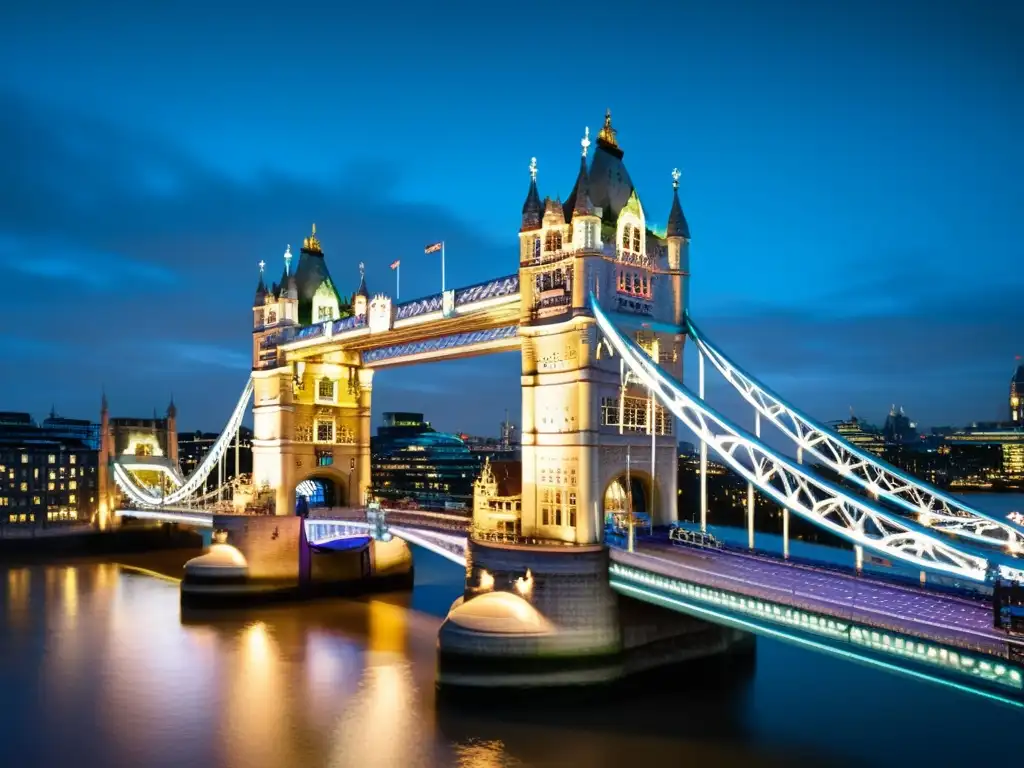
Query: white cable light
939	511
824	504
198	477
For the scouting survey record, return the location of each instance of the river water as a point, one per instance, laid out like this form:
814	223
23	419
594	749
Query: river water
99	668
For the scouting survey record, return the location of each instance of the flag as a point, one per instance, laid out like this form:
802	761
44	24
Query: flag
395	263
433	248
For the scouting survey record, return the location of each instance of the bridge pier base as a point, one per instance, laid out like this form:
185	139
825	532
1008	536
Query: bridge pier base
546	617
256	559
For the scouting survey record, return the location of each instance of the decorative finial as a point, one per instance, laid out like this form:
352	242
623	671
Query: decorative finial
362	269
311	243
287	259
533	169
262	265
586	140
607	133
675	178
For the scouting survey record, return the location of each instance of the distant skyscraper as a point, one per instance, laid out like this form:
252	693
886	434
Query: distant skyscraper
1016	394
898	428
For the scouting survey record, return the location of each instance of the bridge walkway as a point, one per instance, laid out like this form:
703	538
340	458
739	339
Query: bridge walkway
940	617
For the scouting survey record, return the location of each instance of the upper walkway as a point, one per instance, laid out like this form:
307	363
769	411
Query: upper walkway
459	322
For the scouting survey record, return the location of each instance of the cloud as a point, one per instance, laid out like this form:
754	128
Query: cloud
81	268
88	208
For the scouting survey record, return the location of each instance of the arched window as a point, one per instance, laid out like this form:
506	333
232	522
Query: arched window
536	247
553	241
626	236
271	317
636	239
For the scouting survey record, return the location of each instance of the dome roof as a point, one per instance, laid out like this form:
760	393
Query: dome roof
500	613
221	560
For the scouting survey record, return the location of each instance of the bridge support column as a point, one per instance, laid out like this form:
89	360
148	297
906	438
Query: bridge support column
703	452
750	492
785	533
357	491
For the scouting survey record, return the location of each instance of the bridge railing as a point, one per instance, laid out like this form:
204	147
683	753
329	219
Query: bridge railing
962	638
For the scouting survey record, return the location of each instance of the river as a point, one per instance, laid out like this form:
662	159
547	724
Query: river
99	668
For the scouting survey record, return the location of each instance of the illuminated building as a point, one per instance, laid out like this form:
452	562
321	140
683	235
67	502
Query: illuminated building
862	435
1016	396
497	500
313	372
412	462
47	472
986	455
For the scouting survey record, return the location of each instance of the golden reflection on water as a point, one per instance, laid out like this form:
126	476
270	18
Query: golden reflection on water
254	721
70	596
19	589
338	682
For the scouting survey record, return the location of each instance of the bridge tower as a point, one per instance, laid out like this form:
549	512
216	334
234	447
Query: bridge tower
311	414
582	423
537	572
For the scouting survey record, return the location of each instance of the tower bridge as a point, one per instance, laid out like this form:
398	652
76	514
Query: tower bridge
598	309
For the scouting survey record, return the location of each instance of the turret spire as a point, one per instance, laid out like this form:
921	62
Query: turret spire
579	198
261	287
289	289
532	207
607	134
677	226
362	290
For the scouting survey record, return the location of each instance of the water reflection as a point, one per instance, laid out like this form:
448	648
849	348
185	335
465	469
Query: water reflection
133	682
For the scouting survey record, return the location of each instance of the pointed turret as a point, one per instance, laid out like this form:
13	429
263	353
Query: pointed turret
289	288
172	410
677	238
532	208
677	226
361	298
585	217
579	202
261	289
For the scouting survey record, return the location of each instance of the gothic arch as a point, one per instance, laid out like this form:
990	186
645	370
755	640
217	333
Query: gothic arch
333	486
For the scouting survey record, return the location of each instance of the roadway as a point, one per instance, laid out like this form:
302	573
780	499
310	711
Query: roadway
940	617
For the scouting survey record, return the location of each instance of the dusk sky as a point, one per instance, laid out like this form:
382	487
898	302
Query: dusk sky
852	177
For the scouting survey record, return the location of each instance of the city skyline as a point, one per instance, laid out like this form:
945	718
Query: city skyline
136	209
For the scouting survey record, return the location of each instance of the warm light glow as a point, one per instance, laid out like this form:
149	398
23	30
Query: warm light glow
486	580
524	584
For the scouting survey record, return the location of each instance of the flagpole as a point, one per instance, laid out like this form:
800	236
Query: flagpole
442	266
398	282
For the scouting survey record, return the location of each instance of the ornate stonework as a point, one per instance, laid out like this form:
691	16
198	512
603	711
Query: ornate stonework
379	314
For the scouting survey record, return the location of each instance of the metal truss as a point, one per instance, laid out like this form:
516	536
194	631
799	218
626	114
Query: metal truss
933	508
195	481
826	505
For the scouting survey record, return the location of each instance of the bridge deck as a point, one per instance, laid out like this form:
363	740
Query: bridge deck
944	618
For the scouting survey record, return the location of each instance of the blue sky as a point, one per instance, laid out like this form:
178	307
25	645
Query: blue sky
852	179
